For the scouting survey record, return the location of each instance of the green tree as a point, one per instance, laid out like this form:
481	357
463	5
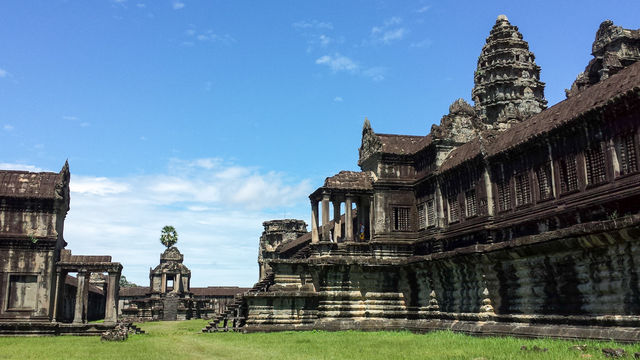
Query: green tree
168	236
125	283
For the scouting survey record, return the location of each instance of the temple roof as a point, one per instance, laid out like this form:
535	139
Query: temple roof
461	154
403	144
134	291
350	180
24	184
218	290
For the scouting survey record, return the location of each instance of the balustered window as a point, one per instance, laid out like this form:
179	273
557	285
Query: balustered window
454	208
504	196
568	173
594	159
422	216
543	174
626	151
431	213
523	189
470	203
401	218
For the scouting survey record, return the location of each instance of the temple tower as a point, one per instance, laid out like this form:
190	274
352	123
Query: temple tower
507	81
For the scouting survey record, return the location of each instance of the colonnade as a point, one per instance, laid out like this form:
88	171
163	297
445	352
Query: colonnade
333	232
81	308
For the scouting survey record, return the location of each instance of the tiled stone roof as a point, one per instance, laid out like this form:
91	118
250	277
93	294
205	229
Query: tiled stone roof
218	290
350	180
24	184
403	144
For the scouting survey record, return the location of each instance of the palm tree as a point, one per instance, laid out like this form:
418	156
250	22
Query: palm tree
168	236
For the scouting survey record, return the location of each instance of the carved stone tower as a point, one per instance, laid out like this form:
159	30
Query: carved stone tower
275	233
507	82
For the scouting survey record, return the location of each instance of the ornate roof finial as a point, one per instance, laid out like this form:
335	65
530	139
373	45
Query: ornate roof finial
366	125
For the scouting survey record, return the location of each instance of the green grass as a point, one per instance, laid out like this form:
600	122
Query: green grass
183	340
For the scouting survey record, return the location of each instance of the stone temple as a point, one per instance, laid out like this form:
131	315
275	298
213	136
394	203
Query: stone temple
508	218
170	295
37	293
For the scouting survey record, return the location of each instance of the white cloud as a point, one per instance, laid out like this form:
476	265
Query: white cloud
8	127
3	73
338	99
422	43
206	36
20	167
424	9
375	73
216	207
70	117
141	5
313	24
99	186
338	62
389	32
177	5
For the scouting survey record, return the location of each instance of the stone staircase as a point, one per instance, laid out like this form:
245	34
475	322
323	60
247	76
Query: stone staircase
135	329
235	315
170	308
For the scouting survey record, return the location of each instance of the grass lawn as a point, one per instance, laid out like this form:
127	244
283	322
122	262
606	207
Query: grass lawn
183	340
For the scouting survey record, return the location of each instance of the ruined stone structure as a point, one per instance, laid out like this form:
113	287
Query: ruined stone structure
34	265
508	218
170	295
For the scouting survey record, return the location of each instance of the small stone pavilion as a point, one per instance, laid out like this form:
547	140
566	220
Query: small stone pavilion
35	266
170	296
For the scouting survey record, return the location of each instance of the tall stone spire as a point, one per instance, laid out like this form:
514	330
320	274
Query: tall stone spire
507	82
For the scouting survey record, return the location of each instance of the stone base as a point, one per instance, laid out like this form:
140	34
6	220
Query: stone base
479	328
26	328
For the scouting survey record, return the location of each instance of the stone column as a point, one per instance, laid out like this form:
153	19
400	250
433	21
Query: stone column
163	286
371	217
348	219
314	221
325	217
111	303
337	224
82	294
176	283
58	299
358	218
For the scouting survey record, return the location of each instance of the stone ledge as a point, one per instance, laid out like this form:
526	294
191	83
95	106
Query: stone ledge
476	328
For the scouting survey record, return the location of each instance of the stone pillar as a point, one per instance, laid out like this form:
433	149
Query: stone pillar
325	217
337	224
371	217
176	283
314	221
82	294
111	303
348	218
358	218
163	286
58	299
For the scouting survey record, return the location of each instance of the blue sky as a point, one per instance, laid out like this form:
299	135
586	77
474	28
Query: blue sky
214	116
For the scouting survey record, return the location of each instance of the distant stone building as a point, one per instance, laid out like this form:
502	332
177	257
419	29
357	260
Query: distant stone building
508	218
36	294
170	295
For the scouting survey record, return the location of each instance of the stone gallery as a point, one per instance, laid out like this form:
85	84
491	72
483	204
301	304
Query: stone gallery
37	295
507	218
